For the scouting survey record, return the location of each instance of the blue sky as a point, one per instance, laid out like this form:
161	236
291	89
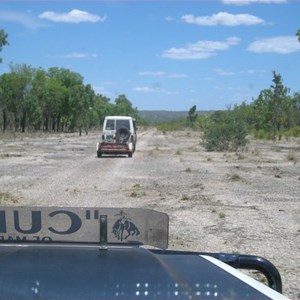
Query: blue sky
163	55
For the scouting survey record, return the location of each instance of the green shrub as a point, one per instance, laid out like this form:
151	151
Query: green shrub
263	134
294	132
164	127
225	132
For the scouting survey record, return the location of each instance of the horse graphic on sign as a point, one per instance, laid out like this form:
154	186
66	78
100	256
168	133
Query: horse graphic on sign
124	227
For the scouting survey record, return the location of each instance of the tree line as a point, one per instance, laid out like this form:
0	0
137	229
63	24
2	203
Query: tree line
58	100
273	114
53	100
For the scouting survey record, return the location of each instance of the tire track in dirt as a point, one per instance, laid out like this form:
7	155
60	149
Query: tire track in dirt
230	202
82	179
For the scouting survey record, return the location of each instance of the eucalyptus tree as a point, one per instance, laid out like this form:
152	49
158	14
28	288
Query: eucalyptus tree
102	108
5	91
92	112
3	98
262	111
10	96
296	109
64	99
22	87
3	40
38	99
79	104
55	106
279	103
66	77
124	107
192	116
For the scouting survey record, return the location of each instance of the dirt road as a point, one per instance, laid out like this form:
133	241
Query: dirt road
246	202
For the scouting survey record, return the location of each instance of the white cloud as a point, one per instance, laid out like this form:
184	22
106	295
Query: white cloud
74	16
224	72
280	45
145	89
176	75
249	72
149	73
156	88
168	18
245	2
223	18
163	74
200	49
253	72
80	55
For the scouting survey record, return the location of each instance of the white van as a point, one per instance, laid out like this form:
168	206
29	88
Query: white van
119	136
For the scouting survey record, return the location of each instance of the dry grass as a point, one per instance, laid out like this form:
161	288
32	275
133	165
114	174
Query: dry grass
292	156
8	198
235	177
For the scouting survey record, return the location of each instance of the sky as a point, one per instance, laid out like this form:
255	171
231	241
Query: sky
162	55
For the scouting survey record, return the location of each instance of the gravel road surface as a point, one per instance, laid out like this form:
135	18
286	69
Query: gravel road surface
246	202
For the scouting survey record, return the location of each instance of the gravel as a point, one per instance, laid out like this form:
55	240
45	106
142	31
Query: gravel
246	202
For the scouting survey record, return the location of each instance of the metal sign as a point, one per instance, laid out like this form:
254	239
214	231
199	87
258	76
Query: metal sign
84	225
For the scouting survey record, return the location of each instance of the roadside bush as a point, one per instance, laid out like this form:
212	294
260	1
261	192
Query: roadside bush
294	132
225	131
262	134
170	126
269	135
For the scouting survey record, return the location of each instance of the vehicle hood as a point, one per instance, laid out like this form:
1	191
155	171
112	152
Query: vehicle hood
89	272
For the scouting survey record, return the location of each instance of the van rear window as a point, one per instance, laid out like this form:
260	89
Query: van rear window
116	124
122	124
110	125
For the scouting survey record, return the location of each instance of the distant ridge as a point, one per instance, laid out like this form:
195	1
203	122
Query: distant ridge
154	116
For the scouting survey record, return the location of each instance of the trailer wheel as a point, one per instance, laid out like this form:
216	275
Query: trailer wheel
130	154
99	154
